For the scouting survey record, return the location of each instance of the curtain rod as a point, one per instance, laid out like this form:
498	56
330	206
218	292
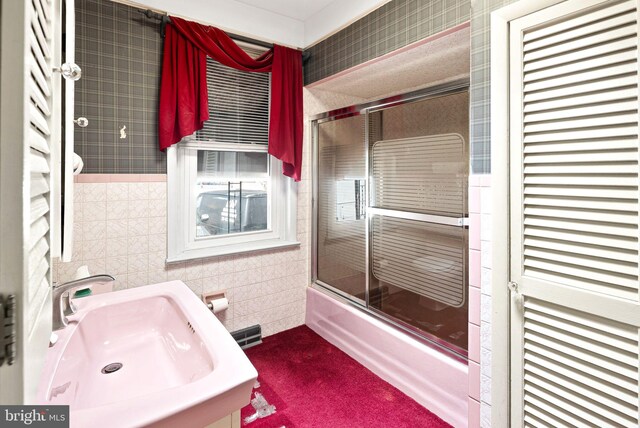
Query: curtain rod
164	19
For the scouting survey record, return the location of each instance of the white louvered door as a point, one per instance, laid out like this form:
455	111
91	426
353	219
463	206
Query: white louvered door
574	171
30	117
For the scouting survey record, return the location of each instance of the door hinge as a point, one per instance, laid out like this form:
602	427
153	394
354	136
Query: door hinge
7	329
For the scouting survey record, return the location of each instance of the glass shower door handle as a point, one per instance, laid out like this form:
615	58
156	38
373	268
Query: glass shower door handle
428	218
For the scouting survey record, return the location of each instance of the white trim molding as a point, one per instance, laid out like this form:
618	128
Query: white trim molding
182	245
500	300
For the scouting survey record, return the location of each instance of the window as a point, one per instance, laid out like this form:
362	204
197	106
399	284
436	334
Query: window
350	199
226	194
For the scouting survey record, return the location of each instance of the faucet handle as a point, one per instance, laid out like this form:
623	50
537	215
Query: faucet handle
62	305
67	304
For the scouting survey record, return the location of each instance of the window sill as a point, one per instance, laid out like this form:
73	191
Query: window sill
225	250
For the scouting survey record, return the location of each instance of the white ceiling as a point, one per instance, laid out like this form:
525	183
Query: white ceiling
294	23
296	9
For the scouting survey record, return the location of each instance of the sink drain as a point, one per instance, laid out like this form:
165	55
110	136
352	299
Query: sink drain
110	368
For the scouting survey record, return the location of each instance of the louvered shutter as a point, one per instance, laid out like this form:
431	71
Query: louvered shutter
31	119
39	137
574	215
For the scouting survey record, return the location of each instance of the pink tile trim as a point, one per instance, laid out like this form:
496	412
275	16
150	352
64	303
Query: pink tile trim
474	268
474	380
392	54
474	305
474	413
474	180
474	343
485	180
120	178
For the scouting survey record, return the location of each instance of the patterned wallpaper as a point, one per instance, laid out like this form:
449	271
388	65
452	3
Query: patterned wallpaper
392	26
480	114
119	51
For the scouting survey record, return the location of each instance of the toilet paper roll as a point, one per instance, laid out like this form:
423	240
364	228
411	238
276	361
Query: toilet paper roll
219	305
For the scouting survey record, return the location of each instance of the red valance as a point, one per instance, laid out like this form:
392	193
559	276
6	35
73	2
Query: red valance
183	88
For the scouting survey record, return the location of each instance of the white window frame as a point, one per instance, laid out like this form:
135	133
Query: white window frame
182	243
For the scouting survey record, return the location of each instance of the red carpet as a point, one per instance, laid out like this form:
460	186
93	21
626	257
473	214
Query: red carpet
314	384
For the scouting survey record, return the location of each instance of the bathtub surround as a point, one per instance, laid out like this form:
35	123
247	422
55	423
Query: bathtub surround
314	384
121	229
337	323
119	52
365	40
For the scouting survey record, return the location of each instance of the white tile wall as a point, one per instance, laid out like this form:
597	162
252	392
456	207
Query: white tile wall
121	229
485	305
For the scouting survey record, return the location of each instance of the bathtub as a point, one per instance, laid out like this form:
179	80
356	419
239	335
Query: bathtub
433	378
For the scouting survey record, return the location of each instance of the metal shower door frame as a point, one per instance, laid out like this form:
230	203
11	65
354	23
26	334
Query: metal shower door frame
365	110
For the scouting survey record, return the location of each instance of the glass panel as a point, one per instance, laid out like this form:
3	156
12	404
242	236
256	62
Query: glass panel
420	174
341	209
419	164
232	192
418	276
419	167
232	165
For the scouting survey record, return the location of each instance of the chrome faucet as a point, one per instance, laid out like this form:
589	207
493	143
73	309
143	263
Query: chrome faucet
62	306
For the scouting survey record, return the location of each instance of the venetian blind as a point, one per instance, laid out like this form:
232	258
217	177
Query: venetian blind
238	105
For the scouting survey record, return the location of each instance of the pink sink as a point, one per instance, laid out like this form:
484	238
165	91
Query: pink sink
152	355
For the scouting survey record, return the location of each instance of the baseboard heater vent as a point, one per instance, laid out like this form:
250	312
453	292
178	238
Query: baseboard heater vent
248	337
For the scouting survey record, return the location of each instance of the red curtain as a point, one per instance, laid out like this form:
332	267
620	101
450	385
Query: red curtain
183	88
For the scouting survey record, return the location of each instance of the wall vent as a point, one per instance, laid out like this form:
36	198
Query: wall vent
248	337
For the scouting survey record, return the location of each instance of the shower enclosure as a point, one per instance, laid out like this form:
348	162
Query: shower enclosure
390	210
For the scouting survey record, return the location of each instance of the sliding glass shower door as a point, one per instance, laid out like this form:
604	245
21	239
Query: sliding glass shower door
341	205
392	212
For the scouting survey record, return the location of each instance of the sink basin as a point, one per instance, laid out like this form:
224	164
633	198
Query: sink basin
152	355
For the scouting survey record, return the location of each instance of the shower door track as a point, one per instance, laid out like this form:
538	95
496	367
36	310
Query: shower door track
449	88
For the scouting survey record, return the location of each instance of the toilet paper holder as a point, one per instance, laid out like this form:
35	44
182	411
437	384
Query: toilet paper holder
219	295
